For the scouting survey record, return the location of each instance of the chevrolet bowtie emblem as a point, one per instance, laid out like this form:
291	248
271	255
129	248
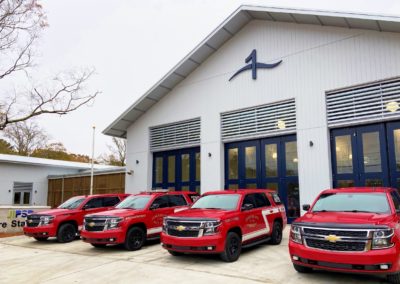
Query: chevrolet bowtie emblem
180	228
30	221
332	238
91	224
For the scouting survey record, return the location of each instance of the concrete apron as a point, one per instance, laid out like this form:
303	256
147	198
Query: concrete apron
25	260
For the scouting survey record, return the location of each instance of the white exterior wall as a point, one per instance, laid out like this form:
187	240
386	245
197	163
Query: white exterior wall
10	173
315	59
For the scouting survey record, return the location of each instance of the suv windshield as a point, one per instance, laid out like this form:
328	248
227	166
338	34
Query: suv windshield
134	202
353	202
72	203
218	201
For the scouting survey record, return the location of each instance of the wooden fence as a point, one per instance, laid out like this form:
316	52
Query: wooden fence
60	189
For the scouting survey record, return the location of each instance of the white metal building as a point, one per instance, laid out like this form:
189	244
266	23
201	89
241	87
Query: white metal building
326	115
23	180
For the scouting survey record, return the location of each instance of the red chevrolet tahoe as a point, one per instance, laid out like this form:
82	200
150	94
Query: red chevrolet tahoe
350	230
222	222
135	220
65	222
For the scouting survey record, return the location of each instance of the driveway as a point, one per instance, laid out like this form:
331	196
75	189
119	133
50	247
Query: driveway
24	260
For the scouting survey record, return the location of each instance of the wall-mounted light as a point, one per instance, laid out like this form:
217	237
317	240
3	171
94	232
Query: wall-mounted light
9	191
392	106
137	162
35	191
209	154
281	124
130	172
311	143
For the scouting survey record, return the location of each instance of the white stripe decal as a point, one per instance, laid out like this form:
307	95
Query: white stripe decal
154	231
254	234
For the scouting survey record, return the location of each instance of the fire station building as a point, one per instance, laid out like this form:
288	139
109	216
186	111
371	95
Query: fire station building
286	99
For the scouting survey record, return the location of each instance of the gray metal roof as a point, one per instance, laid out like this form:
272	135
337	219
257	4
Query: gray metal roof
86	173
15	159
234	23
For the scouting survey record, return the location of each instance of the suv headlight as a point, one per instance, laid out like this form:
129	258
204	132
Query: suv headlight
211	227
295	234
112	223
382	239
46	220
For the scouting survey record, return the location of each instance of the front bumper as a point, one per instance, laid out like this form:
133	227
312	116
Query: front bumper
353	262
116	236
205	244
40	232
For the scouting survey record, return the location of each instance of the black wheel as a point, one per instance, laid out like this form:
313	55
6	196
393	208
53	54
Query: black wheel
276	236
394	278
175	253
302	269
99	245
233	247
41	239
66	233
135	238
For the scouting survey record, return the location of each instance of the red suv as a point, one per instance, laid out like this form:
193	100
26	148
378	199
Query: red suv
135	220
350	230
65	222
222	222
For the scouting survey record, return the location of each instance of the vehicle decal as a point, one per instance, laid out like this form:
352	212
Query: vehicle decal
154	231
254	234
252	221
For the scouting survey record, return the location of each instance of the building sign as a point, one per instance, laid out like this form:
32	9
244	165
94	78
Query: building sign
254	65
13	219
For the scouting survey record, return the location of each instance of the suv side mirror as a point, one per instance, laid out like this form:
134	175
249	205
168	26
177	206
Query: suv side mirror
86	206
306	207
154	206
247	207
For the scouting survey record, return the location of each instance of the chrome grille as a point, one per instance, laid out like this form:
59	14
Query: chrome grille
33	220
337	239
183	228
95	224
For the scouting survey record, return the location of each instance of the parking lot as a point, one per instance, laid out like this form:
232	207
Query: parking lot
24	260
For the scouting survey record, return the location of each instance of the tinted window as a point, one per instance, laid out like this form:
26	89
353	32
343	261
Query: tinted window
162	201
261	200
353	202
396	199
218	201
94	203
110	201
177	200
249	199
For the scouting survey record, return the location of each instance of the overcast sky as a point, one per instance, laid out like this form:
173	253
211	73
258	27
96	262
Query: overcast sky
132	44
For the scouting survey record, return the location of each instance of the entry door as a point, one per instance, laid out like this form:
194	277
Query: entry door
177	169
393	135
280	171
267	163
359	156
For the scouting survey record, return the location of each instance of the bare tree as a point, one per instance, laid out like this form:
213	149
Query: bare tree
117	155
21	22
25	137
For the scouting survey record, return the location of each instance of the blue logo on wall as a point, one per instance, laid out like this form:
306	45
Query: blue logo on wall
254	65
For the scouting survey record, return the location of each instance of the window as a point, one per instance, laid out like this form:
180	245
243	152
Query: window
110	201
249	199
396	200
22	193
94	203
261	200
177	200
162	201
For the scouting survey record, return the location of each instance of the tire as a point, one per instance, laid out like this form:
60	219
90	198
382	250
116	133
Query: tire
394	278
175	253
135	238
41	239
99	245
276	236
302	269
233	247
66	233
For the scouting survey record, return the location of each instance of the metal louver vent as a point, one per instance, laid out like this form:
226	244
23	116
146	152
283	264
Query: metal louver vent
260	121
367	103
177	135
20	186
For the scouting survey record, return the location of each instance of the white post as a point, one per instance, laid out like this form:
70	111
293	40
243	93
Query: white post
91	173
